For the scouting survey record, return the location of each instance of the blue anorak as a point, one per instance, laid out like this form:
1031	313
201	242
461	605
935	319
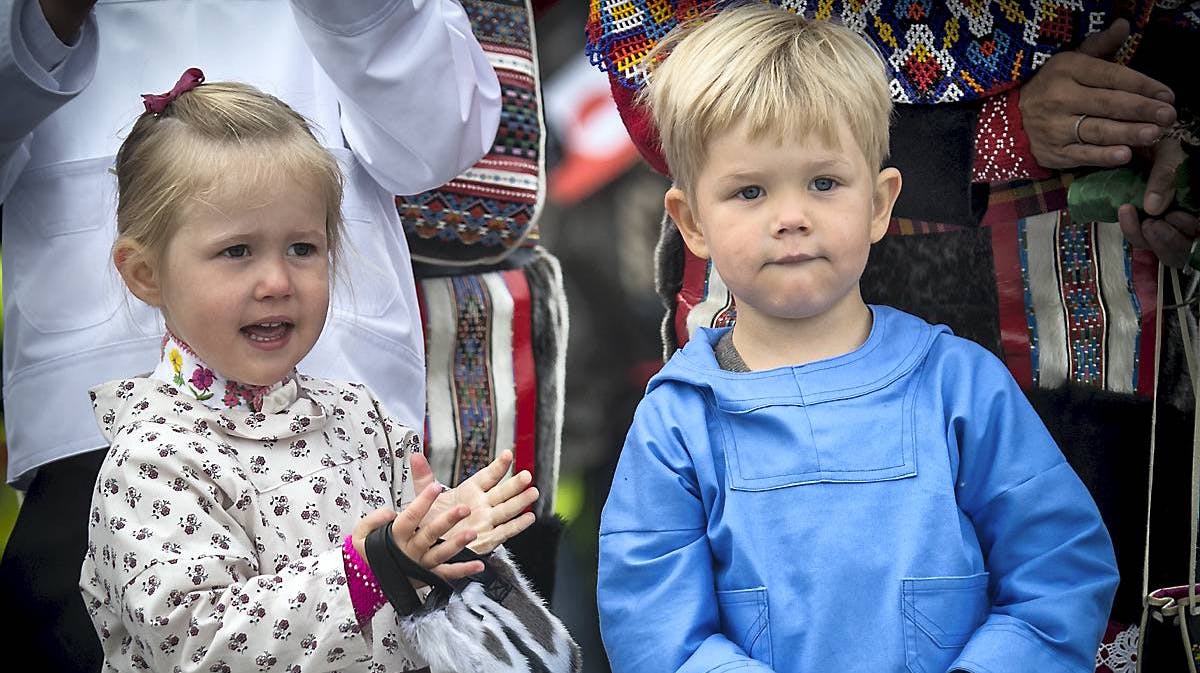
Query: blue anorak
899	507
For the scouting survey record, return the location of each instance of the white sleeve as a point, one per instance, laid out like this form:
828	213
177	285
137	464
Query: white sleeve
420	102
38	75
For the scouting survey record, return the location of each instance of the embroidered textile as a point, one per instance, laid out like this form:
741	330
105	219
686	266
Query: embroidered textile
934	51
491	208
180	366
494	345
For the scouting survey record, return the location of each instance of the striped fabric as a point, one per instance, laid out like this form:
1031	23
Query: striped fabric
491	209
477	341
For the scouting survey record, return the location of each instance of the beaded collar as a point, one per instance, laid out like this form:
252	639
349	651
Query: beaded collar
180	366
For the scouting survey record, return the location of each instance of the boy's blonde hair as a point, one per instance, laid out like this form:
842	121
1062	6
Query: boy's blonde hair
218	143
773	70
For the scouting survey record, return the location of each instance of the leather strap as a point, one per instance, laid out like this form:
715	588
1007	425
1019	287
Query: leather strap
393	568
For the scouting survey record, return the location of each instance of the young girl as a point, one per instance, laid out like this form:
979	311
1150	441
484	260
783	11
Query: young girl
245	517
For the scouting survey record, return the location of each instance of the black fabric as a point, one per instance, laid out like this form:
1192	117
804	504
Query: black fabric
933	146
946	278
534	550
39	575
1164	648
393	568
494	586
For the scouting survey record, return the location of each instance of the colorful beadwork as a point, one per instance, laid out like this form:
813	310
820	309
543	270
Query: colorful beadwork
935	51
491	209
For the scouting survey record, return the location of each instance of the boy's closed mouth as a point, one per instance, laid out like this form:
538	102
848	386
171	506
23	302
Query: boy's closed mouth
795	258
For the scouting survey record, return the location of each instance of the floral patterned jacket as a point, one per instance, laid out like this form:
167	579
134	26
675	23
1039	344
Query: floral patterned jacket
215	543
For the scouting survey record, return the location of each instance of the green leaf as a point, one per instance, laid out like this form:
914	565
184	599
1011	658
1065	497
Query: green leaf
1096	197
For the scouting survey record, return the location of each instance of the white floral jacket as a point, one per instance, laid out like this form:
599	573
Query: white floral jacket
215	544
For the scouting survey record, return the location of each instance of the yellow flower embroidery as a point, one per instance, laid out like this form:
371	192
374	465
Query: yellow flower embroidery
176	360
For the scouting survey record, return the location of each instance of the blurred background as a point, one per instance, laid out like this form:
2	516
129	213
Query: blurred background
602	217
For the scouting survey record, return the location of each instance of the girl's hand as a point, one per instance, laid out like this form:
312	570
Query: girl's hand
416	532
497	507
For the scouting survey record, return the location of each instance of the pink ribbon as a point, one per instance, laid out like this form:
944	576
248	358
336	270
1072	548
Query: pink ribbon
156	103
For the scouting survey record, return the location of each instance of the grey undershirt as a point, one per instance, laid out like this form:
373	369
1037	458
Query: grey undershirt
727	355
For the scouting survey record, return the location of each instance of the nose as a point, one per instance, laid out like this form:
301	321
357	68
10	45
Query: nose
791	217
274	279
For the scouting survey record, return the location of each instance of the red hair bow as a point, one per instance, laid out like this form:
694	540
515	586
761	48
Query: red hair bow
156	103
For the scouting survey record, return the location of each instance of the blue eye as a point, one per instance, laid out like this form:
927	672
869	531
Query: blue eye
302	249
824	184
750	193
236	251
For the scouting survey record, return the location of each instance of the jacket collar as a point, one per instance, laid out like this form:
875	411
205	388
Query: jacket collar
898	342
181	367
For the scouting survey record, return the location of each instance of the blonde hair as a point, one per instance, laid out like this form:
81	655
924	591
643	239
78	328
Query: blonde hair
770	69
218	141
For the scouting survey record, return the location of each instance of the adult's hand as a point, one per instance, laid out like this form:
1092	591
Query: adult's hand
1124	108
66	17
1169	233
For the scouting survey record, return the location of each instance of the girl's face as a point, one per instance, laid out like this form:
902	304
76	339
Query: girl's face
246	283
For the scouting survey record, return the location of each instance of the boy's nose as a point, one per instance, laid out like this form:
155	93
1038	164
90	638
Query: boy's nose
792	219
274	280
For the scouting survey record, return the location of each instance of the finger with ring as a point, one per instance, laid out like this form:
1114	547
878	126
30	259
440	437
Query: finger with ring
1078	123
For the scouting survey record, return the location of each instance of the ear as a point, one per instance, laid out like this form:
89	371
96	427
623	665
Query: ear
684	217
887	188
138	273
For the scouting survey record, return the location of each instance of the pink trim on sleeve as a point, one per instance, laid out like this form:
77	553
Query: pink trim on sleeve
365	593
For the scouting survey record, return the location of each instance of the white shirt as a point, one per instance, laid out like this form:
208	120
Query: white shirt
403	83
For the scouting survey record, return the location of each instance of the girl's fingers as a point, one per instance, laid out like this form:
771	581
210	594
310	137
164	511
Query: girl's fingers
513	506
454	571
409	519
441	553
437	527
506	531
509	487
491	475
422	473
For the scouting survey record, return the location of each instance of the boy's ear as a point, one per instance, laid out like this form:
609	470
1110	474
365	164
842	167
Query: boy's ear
887	188
137	272
677	207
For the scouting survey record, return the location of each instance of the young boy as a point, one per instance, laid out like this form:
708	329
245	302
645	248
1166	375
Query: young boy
828	486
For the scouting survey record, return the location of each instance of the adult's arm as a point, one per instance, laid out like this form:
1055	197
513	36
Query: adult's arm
46	58
655	589
420	102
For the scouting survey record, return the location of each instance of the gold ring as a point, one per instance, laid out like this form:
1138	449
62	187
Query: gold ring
1078	122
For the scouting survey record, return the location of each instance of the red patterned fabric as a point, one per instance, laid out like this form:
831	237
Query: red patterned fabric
1001	146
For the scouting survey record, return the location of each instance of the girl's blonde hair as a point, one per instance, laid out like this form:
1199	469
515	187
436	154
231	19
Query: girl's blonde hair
216	142
770	69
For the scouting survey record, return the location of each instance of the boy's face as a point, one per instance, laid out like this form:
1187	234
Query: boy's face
787	225
247	285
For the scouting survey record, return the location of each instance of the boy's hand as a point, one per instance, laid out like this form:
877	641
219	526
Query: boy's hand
497	507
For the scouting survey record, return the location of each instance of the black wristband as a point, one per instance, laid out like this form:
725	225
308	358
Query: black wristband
393	568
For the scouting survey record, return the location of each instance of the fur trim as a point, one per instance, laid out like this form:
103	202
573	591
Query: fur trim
550	328
474	632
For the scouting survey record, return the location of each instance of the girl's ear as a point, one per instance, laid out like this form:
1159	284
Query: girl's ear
139	274
681	213
887	188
